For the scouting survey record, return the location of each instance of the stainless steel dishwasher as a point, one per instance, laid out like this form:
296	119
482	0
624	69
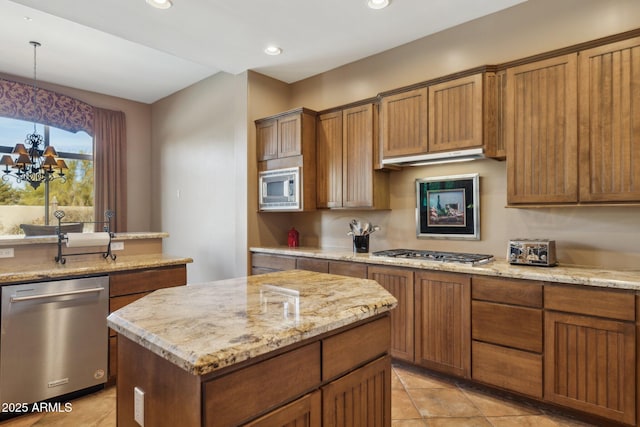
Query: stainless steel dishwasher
54	338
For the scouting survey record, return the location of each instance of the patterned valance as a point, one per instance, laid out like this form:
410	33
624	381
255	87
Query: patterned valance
53	109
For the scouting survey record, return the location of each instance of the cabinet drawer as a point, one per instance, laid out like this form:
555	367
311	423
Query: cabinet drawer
304	412
273	262
234	398
507	368
311	264
507	325
589	301
350	269
342	352
131	282
507	291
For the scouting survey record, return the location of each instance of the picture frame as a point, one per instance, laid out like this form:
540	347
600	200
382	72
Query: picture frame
448	207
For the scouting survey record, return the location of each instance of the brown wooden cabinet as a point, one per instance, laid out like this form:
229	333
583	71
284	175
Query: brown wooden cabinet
590	351
304	412
400	283
442	322
506	328
306	384
403	123
541	131
457	118
127	286
610	123
284	135
347	402
268	263
346	155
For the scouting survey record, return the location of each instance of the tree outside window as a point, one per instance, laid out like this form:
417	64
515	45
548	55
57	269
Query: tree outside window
21	204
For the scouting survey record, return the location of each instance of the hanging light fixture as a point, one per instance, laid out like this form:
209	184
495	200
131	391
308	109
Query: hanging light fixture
33	164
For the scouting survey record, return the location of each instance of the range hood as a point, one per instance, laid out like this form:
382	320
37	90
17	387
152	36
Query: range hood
437	158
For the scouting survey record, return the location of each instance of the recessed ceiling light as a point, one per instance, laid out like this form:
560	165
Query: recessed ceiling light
272	50
160	4
28	18
377	4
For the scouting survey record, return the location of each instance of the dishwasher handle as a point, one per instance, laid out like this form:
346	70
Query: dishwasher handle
56	294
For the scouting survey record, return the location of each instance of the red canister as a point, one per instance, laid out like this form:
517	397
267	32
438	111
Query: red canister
293	240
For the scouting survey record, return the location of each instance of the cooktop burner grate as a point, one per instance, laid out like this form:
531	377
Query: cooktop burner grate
459	257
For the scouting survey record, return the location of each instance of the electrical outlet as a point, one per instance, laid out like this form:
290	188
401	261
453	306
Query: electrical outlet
138	406
117	246
6	253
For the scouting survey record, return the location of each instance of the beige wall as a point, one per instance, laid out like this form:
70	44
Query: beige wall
138	116
199	175
585	235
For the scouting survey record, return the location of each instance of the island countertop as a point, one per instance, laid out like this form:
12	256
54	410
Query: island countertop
205	327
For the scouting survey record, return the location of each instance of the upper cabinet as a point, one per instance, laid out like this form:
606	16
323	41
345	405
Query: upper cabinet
285	135
572	127
541	131
455	114
444	117
346	155
610	122
403	123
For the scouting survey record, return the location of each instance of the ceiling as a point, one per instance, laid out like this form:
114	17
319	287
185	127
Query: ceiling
126	48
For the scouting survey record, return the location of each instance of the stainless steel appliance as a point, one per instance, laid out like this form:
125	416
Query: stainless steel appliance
54	338
279	189
459	257
539	252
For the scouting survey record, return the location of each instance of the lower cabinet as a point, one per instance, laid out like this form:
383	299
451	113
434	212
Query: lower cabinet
127	286
304	412
506	332
399	283
590	351
346	402
443	322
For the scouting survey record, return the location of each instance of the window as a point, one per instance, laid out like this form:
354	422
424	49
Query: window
21	204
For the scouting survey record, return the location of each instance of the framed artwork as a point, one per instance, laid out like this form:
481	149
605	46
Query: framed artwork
448	207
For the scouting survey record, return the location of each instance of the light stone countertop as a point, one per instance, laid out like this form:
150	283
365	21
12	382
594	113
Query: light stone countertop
570	274
20	240
205	327
53	270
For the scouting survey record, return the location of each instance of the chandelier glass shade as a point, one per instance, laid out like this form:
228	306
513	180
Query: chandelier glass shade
33	162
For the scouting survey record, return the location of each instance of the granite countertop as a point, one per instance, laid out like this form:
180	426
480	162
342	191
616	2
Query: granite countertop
206	327
19	240
53	270
570	274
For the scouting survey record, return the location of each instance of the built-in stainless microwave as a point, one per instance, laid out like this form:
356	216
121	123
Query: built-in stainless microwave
279	189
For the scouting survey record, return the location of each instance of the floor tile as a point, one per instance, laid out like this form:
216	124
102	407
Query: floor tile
412	378
459	422
402	407
408	423
443	403
534	421
494	406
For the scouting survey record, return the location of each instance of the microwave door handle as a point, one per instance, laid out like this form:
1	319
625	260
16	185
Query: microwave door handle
291	184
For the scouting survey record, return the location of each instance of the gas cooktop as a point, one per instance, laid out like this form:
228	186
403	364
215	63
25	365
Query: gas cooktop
459	257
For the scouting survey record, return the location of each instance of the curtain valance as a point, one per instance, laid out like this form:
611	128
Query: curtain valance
52	108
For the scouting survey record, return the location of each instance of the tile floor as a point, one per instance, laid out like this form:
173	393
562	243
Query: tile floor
418	399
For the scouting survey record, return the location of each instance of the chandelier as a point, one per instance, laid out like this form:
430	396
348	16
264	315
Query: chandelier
33	164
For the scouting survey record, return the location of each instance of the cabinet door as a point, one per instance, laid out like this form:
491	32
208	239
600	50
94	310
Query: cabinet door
290	135
304	412
404	123
589	365
399	283
329	160
455	114
610	123
442	322
357	172
541	122
361	398
267	139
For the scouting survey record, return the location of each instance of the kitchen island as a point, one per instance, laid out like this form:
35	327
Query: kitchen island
261	350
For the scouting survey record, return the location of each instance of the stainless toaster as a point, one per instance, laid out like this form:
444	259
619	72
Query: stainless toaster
539	252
